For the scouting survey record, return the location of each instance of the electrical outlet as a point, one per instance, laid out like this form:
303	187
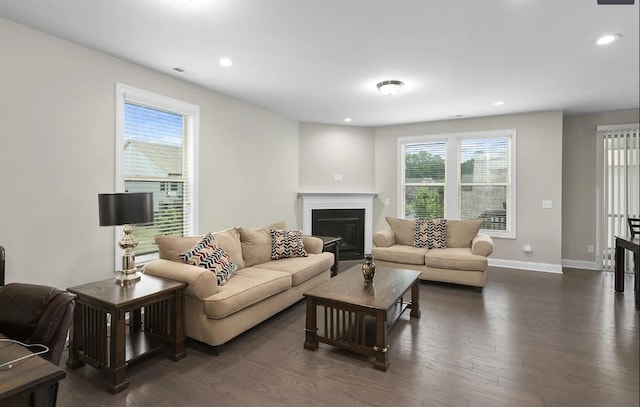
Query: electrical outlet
337	177
527	248
547	204
590	248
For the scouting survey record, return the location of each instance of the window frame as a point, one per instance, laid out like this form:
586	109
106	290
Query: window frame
453	182
126	93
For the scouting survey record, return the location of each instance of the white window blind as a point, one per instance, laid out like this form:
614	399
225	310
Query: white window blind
156	154
484	181
461	176
619	163
424	180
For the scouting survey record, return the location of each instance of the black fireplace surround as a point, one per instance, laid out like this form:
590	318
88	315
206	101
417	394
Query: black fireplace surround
345	223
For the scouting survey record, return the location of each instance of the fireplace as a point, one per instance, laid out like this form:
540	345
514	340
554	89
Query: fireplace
363	201
345	223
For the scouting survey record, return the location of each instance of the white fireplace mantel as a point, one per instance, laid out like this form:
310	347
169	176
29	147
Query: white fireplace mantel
339	200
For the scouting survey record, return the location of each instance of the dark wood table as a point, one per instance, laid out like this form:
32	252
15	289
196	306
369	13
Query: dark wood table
31	382
631	243
350	314
154	307
332	245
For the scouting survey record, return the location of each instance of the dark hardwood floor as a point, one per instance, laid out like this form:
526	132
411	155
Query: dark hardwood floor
530	339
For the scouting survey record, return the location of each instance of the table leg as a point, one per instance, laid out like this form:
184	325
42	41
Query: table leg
381	347
619	268
415	299
636	276
117	369
311	328
76	338
336	259
176	328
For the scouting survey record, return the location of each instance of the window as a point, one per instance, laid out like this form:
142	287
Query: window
619	186
460	176
155	152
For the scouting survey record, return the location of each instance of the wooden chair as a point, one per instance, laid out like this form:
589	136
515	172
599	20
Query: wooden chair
634	226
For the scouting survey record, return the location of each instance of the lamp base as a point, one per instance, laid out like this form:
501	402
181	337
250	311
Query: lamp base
129	276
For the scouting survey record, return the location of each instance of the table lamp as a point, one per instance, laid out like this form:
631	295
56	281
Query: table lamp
126	209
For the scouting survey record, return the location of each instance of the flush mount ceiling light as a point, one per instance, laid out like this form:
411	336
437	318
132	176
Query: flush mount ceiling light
499	102
390	88
347	120
226	62
608	39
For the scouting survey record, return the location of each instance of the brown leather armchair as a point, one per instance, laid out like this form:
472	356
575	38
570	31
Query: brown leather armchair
37	314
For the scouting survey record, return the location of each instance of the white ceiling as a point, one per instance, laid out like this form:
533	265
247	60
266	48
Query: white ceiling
319	61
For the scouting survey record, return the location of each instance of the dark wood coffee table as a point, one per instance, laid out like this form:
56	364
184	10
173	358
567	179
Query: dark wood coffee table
99	337
347	313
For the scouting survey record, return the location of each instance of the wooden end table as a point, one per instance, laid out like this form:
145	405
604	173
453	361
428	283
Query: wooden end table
99	337
347	313
332	245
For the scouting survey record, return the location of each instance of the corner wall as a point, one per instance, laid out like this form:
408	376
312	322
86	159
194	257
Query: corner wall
57	129
579	194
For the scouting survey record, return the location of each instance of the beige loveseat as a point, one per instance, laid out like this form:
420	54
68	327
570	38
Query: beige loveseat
463	261
260	288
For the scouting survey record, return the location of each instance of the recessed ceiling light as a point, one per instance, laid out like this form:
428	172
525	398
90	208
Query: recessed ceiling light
181	1
347	119
455	116
499	102
226	62
608	39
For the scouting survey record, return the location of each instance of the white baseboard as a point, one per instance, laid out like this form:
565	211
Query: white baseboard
527	265
581	264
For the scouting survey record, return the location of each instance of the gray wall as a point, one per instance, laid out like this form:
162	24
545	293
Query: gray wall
579	172
57	128
327	150
539	176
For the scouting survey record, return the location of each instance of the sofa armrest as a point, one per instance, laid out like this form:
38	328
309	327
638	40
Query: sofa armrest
384	238
312	244
482	245
202	282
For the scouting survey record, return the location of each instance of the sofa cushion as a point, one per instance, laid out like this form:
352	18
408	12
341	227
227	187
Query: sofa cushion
455	258
208	254
404	229
302	269
170	247
229	240
460	233
247	287
408	254
256	243
286	243
431	233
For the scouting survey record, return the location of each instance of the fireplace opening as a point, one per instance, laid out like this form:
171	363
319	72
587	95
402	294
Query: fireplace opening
345	223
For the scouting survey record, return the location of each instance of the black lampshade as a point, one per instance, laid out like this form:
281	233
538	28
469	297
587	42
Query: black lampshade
125	208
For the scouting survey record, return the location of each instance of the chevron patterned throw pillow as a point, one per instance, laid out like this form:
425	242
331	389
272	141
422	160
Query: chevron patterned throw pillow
286	243
208	254
431	233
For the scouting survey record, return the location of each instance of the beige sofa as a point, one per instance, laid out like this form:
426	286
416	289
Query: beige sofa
463	261
260	288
